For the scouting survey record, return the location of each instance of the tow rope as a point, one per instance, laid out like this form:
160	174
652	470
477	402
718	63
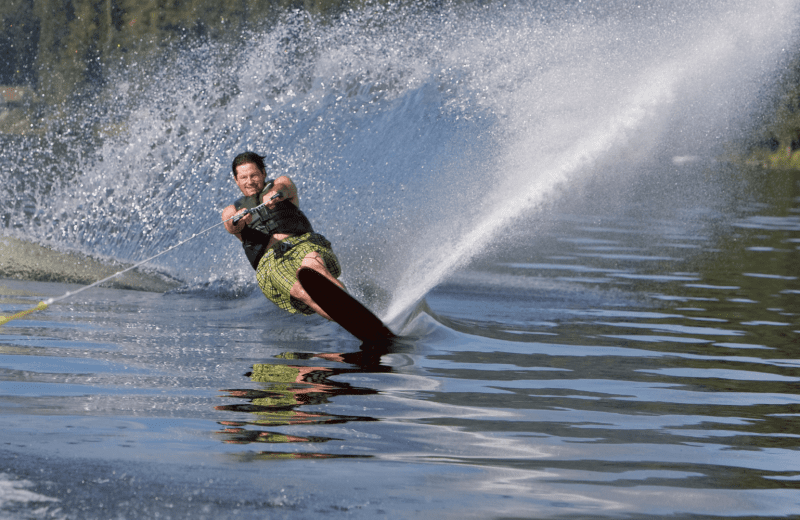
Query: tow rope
44	304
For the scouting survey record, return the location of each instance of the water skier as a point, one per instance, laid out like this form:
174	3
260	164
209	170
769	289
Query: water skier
277	237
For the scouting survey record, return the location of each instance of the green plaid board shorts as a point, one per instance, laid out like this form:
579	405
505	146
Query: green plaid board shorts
277	269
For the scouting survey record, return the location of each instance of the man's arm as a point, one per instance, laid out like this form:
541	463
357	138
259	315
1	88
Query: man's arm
288	191
235	229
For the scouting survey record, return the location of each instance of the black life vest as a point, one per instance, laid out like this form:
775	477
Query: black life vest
284	218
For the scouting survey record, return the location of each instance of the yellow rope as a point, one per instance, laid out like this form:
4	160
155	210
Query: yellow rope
5	319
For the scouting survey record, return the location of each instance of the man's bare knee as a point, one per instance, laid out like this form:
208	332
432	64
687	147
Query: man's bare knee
298	292
315	261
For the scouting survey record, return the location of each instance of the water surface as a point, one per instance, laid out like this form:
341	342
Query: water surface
624	366
598	307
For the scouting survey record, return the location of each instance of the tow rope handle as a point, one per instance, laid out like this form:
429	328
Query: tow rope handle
235	220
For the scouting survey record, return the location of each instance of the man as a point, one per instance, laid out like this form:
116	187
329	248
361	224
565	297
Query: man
280	241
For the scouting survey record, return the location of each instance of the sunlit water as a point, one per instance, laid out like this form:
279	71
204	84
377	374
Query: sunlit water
597	317
618	364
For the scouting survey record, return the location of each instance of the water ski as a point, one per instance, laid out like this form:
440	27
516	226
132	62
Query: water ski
343	308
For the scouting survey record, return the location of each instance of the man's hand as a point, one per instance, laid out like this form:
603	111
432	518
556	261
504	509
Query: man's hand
239	223
227	216
282	189
273	198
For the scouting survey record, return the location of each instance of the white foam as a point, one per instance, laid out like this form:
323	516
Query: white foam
15	493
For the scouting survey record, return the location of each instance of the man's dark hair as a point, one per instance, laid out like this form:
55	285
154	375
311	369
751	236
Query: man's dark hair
247	158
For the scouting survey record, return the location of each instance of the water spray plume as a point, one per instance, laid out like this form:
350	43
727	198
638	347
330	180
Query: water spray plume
610	122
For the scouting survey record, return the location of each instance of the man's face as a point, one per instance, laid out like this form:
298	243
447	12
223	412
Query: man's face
250	179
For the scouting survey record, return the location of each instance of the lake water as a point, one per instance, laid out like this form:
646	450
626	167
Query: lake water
618	365
598	313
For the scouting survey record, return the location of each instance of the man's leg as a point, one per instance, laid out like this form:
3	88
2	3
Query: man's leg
313	261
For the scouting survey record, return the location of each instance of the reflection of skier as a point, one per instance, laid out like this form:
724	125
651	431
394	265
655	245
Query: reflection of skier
288	387
277	237
242	436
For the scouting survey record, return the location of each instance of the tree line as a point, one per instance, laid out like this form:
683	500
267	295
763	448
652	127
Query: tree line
57	46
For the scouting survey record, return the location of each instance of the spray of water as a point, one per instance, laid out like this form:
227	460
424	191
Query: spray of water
417	136
621	94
